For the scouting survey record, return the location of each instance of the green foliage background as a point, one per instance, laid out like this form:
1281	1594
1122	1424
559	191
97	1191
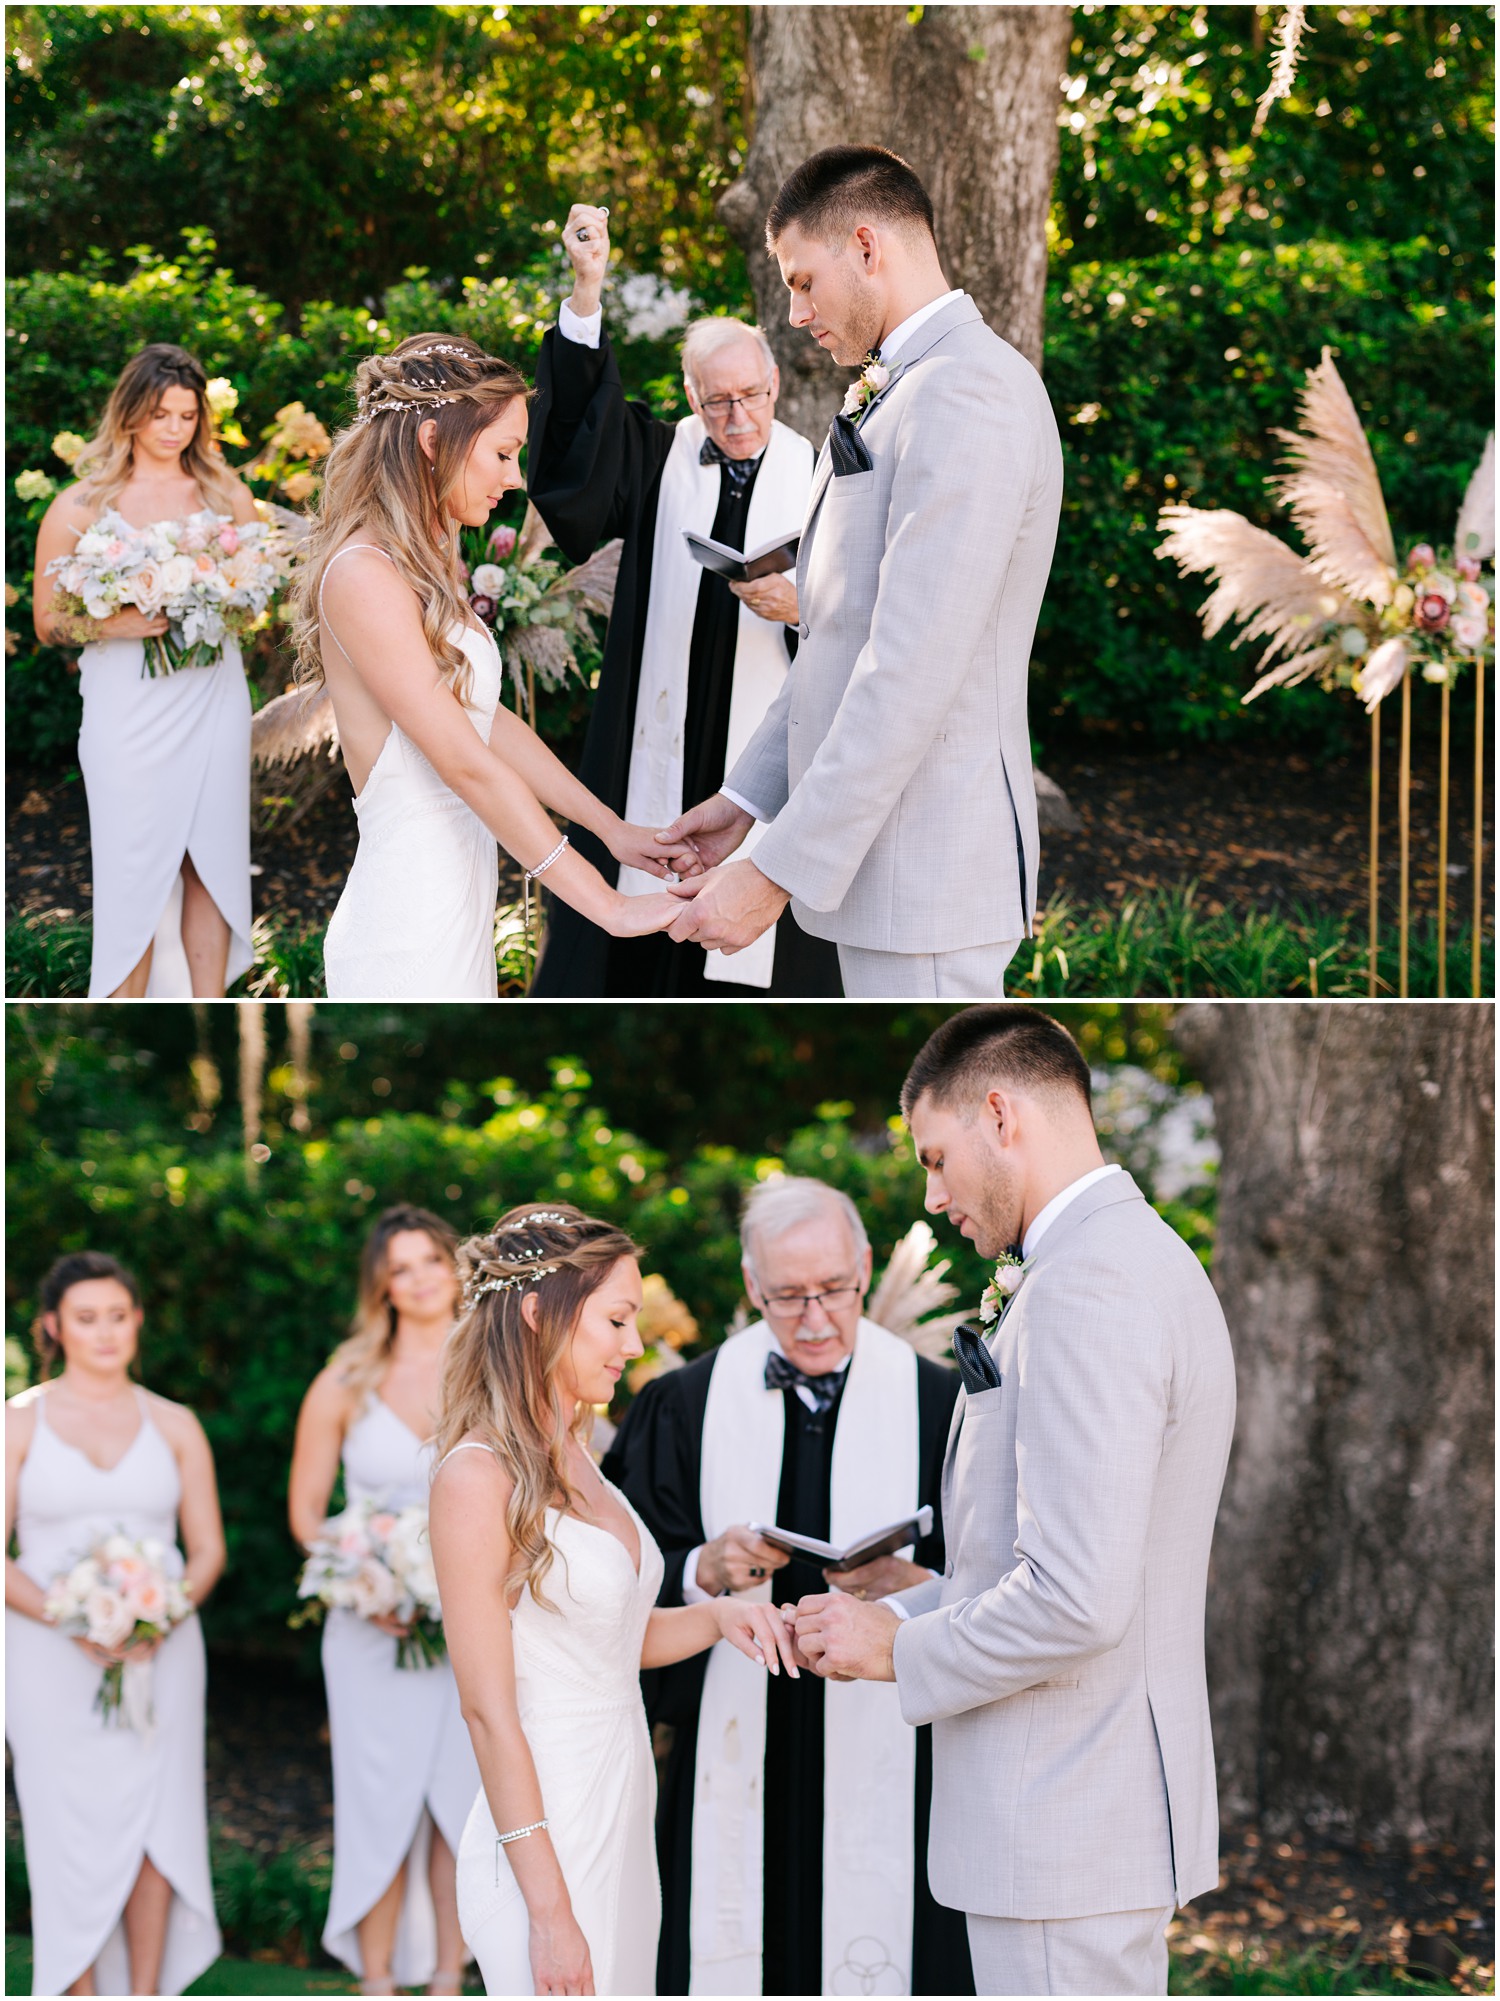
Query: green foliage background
121	1138
358	173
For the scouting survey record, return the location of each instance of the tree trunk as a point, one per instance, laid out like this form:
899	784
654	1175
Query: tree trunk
968	95
1351	1611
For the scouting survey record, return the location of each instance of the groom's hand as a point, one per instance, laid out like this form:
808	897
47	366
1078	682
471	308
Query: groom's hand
715	828
845	1639
730	908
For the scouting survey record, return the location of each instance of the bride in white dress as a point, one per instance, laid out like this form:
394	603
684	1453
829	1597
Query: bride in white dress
114	1819
404	1775
441	769
549	1581
165	759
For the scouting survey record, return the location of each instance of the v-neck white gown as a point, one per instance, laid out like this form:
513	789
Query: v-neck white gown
401	1753
416	919
579	1693
97	1798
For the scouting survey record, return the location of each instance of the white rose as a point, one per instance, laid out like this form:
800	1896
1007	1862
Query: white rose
373	1591
1469	632
877	377
82	1579
488	581
176	576
1007	1278
1475	596
851	400
1445	586
99	607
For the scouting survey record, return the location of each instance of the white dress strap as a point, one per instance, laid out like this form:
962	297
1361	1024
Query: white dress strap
469	1445
347	550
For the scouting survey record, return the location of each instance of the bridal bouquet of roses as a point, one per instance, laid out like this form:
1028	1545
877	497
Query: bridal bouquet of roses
116	1596
211	578
377	1563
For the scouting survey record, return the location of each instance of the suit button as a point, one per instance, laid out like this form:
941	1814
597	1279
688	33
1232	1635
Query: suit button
803	632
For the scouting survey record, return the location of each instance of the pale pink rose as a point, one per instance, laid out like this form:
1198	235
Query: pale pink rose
193	539
148	1600
352	1541
1469	632
1422	557
381	1526
229	538
110	1619
852	400
1474	598
373	1591
114	550
205	564
1467	566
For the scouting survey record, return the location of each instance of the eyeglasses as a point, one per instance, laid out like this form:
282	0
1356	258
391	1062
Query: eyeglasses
792	1305
720	406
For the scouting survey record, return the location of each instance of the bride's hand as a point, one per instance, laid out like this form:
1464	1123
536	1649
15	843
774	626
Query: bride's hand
637	916
639	847
759	1631
560	1962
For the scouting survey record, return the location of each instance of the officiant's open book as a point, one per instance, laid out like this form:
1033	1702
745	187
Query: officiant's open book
743	566
883	1542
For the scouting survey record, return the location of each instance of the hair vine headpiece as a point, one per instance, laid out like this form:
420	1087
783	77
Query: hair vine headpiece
442	347
475	1291
536	1216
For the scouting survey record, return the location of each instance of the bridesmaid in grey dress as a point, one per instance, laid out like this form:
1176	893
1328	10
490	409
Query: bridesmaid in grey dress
114	1816
404	1776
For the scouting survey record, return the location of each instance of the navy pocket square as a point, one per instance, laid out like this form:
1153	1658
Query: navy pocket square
847	448
975	1362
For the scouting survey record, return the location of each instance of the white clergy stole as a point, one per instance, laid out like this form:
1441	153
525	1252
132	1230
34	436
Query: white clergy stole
869	1752
689	498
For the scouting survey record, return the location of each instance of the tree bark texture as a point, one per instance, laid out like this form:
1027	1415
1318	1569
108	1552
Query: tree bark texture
967	95
1351	1608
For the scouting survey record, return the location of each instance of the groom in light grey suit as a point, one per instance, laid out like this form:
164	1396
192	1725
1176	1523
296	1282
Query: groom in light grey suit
1060	1658
895	766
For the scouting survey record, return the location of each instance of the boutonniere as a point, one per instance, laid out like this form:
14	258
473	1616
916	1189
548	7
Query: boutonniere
1010	1269
872	378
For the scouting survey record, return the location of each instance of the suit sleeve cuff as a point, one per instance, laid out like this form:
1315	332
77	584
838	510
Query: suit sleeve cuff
572	326
745	805
895	1605
692	1591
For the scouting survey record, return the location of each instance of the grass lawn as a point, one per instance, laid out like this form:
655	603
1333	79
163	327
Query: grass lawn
1160	944
225	1976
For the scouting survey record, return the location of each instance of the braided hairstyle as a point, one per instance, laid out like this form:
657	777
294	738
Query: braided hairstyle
499	1381
379	483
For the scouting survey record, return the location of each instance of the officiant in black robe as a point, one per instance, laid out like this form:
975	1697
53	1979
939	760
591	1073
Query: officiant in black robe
595	470
808	1245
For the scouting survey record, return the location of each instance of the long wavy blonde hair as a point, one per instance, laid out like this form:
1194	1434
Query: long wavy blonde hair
106	462
499	1382
363	1358
378	481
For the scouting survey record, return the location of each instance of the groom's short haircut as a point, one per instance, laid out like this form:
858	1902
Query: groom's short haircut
828	195
995	1045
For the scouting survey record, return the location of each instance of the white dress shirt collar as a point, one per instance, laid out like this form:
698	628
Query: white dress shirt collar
899	336
1045	1218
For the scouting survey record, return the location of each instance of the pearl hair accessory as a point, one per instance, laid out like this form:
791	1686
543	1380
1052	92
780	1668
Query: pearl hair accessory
473	1292
536	1216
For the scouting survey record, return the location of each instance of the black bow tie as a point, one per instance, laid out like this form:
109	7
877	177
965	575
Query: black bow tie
783	1375
740	471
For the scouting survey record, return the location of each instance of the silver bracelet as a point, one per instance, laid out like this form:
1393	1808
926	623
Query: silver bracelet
516	1834
542	867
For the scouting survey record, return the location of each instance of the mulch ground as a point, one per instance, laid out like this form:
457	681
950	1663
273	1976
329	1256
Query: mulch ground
1262	830
1422	1907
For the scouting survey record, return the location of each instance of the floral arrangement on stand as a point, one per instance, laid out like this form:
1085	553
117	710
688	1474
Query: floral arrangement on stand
539	610
377	1563
119	1595
1348	615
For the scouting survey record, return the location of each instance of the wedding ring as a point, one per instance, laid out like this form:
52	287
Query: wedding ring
670	875
755	1571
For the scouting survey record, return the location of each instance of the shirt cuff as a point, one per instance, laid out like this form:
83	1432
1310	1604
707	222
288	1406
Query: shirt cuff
895	1605
745	805
573	326
692	1591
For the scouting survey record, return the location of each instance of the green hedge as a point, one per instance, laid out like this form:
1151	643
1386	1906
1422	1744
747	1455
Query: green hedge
1170	369
248	1273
